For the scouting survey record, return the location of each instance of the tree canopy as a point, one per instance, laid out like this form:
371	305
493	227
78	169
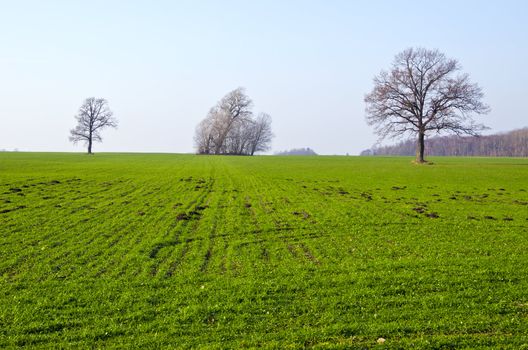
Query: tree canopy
94	115
422	93
231	128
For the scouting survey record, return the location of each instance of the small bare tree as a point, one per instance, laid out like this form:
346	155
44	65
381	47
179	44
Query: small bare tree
203	137
261	135
94	115
422	94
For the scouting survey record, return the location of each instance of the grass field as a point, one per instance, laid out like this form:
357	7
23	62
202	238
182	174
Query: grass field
182	251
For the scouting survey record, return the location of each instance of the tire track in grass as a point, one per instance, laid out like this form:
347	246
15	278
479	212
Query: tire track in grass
199	244
268	195
97	254
218	215
269	192
179	226
239	239
87	245
305	221
284	224
68	233
319	239
256	227
258	242
187	241
189	256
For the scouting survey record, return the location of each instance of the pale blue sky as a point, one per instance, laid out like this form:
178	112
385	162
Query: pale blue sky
163	64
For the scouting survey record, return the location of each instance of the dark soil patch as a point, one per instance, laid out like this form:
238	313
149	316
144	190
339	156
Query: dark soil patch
182	217
193	214
292	250
419	210
302	213
207	258
309	255
13	209
367	196
432	215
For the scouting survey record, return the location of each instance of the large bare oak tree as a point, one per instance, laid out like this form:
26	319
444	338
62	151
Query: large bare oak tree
94	115
423	93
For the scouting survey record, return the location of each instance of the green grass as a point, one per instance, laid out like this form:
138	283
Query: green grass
182	251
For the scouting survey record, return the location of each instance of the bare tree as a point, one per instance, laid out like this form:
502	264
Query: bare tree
203	137
234	106
422	94
261	134
94	115
230	128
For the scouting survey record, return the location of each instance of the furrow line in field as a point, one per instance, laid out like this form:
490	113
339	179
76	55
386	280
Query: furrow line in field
161	251
189	224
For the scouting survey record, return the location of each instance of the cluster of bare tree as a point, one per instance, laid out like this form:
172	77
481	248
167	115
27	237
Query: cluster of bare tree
511	144
231	128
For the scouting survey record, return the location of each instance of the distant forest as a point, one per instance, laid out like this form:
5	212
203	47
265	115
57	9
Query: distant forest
297	152
509	144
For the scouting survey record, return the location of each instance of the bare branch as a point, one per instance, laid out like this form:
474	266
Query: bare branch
421	93
94	115
230	127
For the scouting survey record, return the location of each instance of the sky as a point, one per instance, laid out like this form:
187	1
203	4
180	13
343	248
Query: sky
163	64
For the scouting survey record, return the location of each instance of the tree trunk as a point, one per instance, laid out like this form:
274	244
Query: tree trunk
90	144
420	148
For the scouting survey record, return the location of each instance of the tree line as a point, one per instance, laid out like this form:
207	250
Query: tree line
297	152
423	93
510	144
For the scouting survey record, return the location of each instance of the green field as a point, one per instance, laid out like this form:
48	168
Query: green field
183	251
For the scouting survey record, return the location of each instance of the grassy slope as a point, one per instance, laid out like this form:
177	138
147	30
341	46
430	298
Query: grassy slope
281	252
